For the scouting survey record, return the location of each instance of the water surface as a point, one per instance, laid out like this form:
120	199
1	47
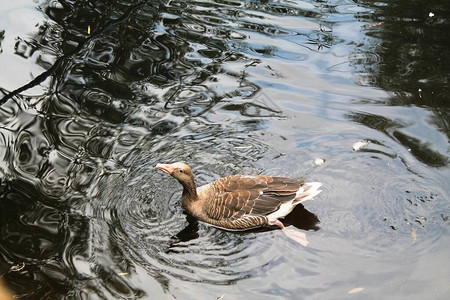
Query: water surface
94	93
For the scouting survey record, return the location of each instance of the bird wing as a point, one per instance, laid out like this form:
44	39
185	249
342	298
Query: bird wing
241	196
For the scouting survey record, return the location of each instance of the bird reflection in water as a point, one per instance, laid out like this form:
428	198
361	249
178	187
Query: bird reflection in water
300	218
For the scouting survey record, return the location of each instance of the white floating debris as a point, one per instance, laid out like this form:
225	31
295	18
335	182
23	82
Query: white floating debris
319	161
17	267
360	145
52	156
431	14
236	36
355	290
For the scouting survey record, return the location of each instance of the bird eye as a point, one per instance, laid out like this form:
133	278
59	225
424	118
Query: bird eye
181	171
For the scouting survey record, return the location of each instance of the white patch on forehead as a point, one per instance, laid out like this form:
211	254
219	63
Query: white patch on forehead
178	165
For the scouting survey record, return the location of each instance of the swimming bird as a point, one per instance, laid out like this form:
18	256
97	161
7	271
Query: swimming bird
242	202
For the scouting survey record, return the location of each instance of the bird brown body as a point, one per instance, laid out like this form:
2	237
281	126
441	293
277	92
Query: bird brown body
241	202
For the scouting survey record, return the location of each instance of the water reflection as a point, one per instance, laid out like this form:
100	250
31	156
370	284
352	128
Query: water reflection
423	151
230	87
406	57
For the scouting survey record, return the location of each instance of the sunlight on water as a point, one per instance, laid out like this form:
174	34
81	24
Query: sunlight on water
252	87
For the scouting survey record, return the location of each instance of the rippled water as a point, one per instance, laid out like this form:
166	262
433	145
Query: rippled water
95	93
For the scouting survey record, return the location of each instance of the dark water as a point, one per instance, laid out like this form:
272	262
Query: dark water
230	87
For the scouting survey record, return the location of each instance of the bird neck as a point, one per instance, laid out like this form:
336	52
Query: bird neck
189	190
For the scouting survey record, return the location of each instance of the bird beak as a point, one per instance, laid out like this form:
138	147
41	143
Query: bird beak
166	168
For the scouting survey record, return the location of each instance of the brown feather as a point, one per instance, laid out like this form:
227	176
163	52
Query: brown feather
248	199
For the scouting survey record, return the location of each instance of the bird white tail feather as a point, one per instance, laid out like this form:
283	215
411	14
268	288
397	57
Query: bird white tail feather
310	190
306	192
